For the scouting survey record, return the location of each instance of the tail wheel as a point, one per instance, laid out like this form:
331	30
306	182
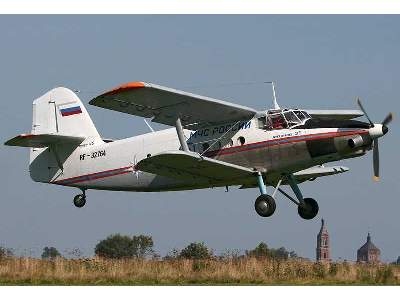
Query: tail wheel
309	209
265	205
80	200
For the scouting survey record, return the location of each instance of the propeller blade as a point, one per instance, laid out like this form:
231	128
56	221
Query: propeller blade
376	159
388	119
363	110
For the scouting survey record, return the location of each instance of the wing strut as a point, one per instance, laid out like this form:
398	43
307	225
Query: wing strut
181	136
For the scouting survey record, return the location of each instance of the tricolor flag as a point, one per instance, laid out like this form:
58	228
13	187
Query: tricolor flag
70	110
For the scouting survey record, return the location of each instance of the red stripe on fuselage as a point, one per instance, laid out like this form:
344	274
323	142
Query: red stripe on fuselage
232	150
275	142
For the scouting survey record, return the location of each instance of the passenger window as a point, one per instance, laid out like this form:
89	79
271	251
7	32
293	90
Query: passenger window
241	140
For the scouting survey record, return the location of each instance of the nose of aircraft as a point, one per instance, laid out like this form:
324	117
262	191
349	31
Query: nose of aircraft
385	129
378	130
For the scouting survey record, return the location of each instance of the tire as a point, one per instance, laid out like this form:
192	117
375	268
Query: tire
309	210
265	205
80	200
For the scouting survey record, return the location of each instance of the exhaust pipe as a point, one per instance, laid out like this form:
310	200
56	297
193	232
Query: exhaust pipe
355	142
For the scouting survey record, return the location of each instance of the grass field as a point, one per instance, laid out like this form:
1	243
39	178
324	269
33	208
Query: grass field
243	271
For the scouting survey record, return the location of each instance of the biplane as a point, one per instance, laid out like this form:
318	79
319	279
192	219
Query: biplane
211	143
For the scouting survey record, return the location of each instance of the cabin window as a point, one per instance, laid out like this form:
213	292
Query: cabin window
241	140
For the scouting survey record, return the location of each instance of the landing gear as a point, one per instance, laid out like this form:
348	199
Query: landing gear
306	207
265	204
309	209
80	200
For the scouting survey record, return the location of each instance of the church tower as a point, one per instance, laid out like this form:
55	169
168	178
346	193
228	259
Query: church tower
323	250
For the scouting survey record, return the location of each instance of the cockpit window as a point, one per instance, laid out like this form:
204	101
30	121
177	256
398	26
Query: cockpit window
300	115
291	118
281	119
277	121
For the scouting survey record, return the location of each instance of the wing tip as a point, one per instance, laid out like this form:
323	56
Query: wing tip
125	87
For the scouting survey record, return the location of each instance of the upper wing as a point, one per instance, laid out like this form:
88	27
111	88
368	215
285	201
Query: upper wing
190	165
341	114
165	105
42	140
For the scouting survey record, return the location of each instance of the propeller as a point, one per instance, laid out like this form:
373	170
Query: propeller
375	145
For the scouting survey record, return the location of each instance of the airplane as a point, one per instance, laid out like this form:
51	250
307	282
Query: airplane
211	143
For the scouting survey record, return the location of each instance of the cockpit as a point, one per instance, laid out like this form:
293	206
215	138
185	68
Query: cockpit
282	118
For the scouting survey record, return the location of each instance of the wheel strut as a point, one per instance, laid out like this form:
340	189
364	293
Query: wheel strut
261	184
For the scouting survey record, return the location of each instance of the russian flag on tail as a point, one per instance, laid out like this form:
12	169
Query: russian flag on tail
71	110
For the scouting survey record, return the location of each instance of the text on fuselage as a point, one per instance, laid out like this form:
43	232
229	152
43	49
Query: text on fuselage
217	130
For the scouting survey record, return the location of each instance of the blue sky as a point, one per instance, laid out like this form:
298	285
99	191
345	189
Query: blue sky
318	62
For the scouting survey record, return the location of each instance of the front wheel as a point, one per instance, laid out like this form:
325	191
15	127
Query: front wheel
309	209
80	200
265	205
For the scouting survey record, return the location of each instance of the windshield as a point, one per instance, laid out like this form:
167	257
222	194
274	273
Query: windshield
281	119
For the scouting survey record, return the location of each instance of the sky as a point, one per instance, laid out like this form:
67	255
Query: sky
318	62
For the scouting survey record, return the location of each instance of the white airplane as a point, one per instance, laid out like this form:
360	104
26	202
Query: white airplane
214	144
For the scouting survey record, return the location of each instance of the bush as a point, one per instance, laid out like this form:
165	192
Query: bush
196	251
262	250
122	246
50	253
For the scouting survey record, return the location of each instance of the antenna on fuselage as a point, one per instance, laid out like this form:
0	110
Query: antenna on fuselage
274	101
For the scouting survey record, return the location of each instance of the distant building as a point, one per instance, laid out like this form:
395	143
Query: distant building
368	253
323	248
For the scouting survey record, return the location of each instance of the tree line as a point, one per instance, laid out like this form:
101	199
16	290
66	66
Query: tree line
117	246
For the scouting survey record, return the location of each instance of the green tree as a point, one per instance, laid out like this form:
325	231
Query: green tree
50	253
143	246
122	246
260	251
5	252
280	253
196	251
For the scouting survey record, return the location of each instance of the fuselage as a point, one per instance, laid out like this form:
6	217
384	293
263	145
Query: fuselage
111	166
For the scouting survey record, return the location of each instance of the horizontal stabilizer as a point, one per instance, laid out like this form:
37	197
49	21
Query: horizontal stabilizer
191	166
43	140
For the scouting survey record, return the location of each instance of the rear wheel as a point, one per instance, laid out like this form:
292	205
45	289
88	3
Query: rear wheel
309	209
265	205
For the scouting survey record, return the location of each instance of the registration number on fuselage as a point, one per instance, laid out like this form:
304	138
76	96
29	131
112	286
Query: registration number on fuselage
94	154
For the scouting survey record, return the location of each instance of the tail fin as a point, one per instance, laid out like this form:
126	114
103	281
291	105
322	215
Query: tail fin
60	111
60	124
